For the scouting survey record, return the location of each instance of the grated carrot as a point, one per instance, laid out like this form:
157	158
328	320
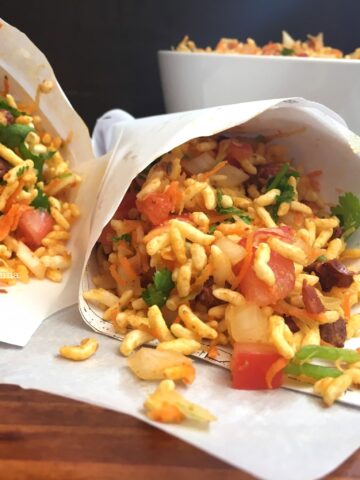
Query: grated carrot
286	309
155	232
204	176
175	195
204	275
11	200
128	268
246	262
116	276
10	220
275	368
346	305
166	413
213	352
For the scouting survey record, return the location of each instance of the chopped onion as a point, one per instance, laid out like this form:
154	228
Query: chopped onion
247	323
232	250
149	364
330	303
287	40
229	176
202	163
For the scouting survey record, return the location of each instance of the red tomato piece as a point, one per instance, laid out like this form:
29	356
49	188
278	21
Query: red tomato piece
33	226
255	290
249	364
156	207
285	233
239	150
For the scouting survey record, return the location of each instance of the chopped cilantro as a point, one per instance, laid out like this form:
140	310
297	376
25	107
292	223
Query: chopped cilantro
348	212
41	201
21	170
157	292
322	258
212	228
287	192
14	111
125	236
230	210
38	160
13	135
287	51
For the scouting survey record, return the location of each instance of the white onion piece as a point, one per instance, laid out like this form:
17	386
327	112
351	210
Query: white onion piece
229	176
149	364
202	163
287	40
232	250
247	323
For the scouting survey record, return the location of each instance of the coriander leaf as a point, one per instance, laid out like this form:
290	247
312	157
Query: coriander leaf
230	210
13	135
212	228
322	258
157	292
287	195
348	212
287	51
38	160
41	201
14	111
154	297
163	281
125	236
287	192
281	178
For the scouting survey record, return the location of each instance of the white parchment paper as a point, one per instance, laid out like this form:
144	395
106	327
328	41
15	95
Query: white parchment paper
26	306
275	435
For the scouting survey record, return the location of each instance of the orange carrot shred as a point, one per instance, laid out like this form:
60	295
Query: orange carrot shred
204	176
128	268
156	231
247	260
116	276
213	352
275	368
346	305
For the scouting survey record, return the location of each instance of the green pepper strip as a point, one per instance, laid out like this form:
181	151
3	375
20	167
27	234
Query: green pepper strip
277	179
314	371
326	353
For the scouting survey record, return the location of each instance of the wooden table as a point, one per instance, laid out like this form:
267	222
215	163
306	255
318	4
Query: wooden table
47	437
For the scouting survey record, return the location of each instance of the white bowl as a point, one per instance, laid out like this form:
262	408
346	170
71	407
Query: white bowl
197	80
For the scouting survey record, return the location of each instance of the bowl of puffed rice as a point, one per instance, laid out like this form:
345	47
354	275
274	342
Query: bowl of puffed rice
236	71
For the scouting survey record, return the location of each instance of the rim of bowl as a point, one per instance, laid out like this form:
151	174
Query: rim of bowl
279	58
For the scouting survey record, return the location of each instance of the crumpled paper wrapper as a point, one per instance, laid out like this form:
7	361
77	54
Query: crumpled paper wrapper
319	140
27	305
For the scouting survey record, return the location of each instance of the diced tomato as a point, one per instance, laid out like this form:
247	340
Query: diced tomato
285	233
249	365
127	203
33	226
239	150
156	207
255	290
